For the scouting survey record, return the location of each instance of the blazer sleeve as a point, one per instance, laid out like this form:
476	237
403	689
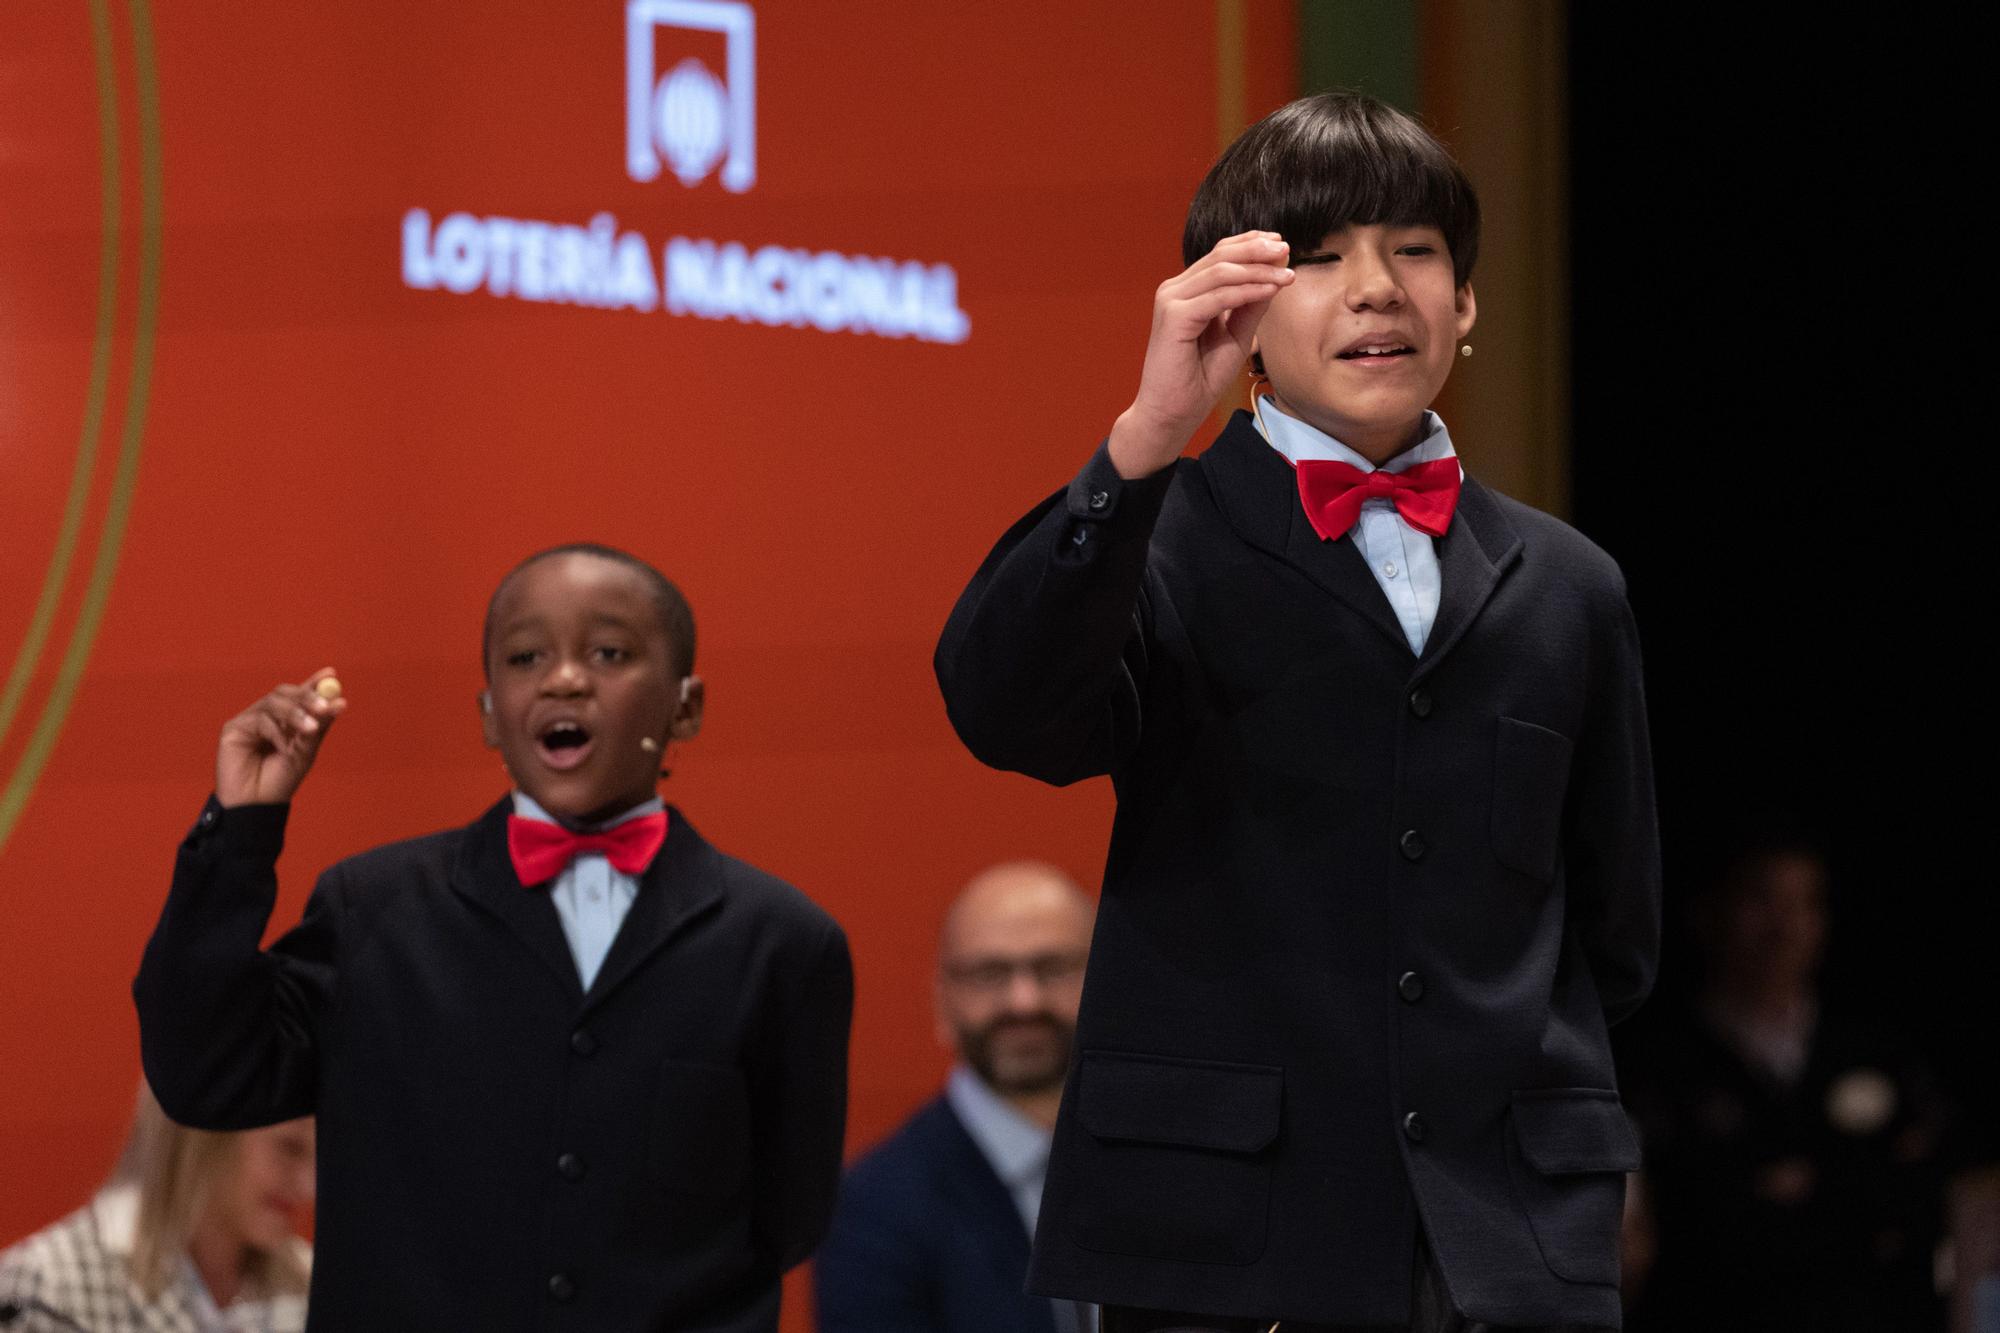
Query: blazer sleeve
799	1101
228	1031
1612	857
1043	660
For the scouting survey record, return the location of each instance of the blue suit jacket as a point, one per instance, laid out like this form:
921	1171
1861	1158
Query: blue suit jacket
926	1239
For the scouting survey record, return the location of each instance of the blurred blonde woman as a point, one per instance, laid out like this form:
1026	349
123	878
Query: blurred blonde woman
194	1233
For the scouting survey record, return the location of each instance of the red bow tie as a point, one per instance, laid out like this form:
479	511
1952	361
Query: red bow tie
540	849
1424	494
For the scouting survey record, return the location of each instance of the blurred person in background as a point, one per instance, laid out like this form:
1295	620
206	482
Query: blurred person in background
196	1232
1795	1152
931	1232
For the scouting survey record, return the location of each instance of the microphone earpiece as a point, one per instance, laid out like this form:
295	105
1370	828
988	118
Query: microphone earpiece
649	745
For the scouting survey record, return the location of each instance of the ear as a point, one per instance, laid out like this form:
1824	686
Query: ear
487	728
686	724
1467	308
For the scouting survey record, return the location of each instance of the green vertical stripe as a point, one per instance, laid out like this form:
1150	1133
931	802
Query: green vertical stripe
1365	44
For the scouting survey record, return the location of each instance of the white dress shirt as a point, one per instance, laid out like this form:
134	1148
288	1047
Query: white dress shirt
591	896
1402	558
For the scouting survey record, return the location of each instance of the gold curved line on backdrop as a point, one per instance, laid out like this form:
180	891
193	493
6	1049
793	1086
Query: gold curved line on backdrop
60	558
124	482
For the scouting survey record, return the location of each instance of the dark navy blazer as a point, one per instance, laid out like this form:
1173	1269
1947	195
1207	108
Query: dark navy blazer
500	1149
926	1239
1367	914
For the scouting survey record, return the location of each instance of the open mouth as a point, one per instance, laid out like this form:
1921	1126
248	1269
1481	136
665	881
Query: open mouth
564	745
1382	351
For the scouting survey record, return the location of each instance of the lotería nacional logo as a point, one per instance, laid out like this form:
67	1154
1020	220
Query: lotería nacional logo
697	123
689	114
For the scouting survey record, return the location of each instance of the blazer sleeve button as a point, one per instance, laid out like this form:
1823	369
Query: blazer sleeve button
1413	846
562	1287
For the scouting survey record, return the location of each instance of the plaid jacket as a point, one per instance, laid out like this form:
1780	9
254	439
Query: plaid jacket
77	1267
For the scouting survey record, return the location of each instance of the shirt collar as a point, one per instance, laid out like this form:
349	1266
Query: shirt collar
1015	1146
526	807
1299	442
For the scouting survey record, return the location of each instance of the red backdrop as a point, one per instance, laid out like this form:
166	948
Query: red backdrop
238	443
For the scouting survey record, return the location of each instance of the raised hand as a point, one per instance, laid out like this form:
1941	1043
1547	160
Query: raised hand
267	749
1203	320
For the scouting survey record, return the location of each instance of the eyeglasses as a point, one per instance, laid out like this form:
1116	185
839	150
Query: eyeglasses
993	975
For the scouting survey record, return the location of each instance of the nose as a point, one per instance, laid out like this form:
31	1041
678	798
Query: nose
1024	992
1371	282
565	676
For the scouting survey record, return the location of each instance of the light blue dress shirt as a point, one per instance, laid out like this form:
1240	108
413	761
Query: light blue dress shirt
1402	558
1014	1146
591	896
1018	1151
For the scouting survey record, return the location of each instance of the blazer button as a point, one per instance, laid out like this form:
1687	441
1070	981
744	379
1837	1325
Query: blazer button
570	1166
562	1287
583	1043
1413	1127
1410	986
1412	844
1420	702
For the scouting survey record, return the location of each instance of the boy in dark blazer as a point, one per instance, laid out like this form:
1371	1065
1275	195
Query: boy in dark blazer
573	1067
1385	866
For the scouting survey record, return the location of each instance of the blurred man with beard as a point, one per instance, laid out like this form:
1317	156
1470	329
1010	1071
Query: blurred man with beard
931	1233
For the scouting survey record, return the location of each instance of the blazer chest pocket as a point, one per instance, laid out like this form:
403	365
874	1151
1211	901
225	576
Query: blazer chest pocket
1530	778
1569	1153
1175	1158
700	1130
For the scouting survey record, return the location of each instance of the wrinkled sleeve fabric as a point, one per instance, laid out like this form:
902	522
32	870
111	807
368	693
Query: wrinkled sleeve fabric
1043	660
229	1031
1612	829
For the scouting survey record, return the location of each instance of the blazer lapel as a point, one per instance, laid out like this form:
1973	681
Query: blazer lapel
683	883
1475	551
1258	494
485	877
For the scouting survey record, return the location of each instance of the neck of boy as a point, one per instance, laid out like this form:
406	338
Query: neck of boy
1378	446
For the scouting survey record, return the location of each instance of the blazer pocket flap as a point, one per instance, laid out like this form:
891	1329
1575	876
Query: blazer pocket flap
1188	1103
1569	1131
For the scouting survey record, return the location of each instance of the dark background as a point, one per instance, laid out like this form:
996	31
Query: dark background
1780	332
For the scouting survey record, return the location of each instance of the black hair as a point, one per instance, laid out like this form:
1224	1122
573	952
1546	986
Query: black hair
676	616
1324	162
